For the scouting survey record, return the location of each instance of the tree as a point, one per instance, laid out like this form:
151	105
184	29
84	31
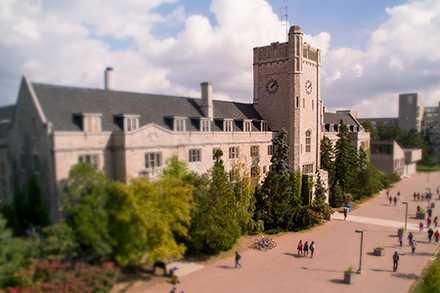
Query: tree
345	162
319	204
216	227
327	156
59	242
84	206
336	195
280	156
306	190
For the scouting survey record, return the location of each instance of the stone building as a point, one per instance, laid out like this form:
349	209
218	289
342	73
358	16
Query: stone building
359	137
410	112
128	134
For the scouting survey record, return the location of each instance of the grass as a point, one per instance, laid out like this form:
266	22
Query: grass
428	168
431	275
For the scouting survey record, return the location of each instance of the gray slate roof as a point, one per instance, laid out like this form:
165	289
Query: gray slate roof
335	118
60	104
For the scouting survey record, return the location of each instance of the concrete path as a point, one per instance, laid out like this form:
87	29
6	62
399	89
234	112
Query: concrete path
337	247
374	221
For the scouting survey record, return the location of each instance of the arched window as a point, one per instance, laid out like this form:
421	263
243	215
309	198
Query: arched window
308	141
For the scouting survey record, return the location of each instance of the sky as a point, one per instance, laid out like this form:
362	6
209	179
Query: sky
371	50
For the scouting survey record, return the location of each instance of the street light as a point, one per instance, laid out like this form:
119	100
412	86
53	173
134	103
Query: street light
406	213
359	271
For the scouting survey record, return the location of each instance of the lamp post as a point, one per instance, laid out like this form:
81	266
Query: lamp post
406	214
359	271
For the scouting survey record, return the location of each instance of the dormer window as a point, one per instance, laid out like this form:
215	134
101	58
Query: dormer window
92	122
228	125
131	122
205	125
179	124
247	125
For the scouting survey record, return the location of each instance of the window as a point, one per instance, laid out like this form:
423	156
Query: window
270	150
204	125
233	152
247	126
179	124
153	160
308	141
307	168
297	102
214	150
227	125
255	151
304	103
194	155
92	159
131	124
255	171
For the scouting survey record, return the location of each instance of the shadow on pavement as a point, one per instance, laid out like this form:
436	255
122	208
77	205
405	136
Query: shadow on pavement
294	255
418	254
225	267
338	281
381	270
321	270
410	276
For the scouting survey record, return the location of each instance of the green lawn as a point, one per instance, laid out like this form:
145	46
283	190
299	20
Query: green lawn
430	281
428	168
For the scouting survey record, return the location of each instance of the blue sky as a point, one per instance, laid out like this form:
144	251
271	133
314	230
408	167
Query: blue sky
371	50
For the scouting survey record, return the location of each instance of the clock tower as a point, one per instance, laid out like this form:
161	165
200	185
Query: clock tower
287	95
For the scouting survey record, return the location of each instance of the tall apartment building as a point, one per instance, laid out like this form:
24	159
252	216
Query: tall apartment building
410	112
128	134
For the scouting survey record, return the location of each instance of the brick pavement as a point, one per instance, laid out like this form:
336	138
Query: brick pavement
337	246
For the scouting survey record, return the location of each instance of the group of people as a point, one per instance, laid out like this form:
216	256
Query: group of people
417	196
306	248
391	198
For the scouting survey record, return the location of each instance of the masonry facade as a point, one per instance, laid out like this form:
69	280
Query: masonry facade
51	128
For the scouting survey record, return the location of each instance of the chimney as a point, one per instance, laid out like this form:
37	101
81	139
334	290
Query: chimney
107	78
207	105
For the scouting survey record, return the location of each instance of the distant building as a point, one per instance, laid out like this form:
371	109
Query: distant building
390	157
410	112
360	137
380	121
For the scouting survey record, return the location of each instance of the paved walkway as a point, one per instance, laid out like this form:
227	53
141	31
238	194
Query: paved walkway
337	247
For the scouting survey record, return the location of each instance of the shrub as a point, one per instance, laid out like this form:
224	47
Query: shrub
431	279
59	242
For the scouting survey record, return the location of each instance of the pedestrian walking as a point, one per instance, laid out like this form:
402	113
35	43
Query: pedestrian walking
395	200
410	238
388	193
173	289
312	248
345	213
413	246
390	199
401	239
428	222
430	212
435	221
398	194
414	196
430	234
300	247
420	226
237	259
306	248
437	236
395	261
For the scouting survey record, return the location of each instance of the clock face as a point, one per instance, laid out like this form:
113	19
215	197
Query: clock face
308	87
272	86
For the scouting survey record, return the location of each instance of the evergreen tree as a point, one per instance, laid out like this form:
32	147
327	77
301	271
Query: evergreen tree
216	227
346	160
327	156
280	156
336	195
306	190
319	204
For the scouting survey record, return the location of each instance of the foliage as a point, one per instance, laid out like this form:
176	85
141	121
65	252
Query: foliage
59	242
145	217
280	156
369	180
306	190
244	187
319	204
215	227
327	156
15	258
29	208
84	206
427	168
389	179
336	195
431	279
345	160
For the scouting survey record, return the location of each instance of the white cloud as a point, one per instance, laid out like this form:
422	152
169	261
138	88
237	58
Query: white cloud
71	42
